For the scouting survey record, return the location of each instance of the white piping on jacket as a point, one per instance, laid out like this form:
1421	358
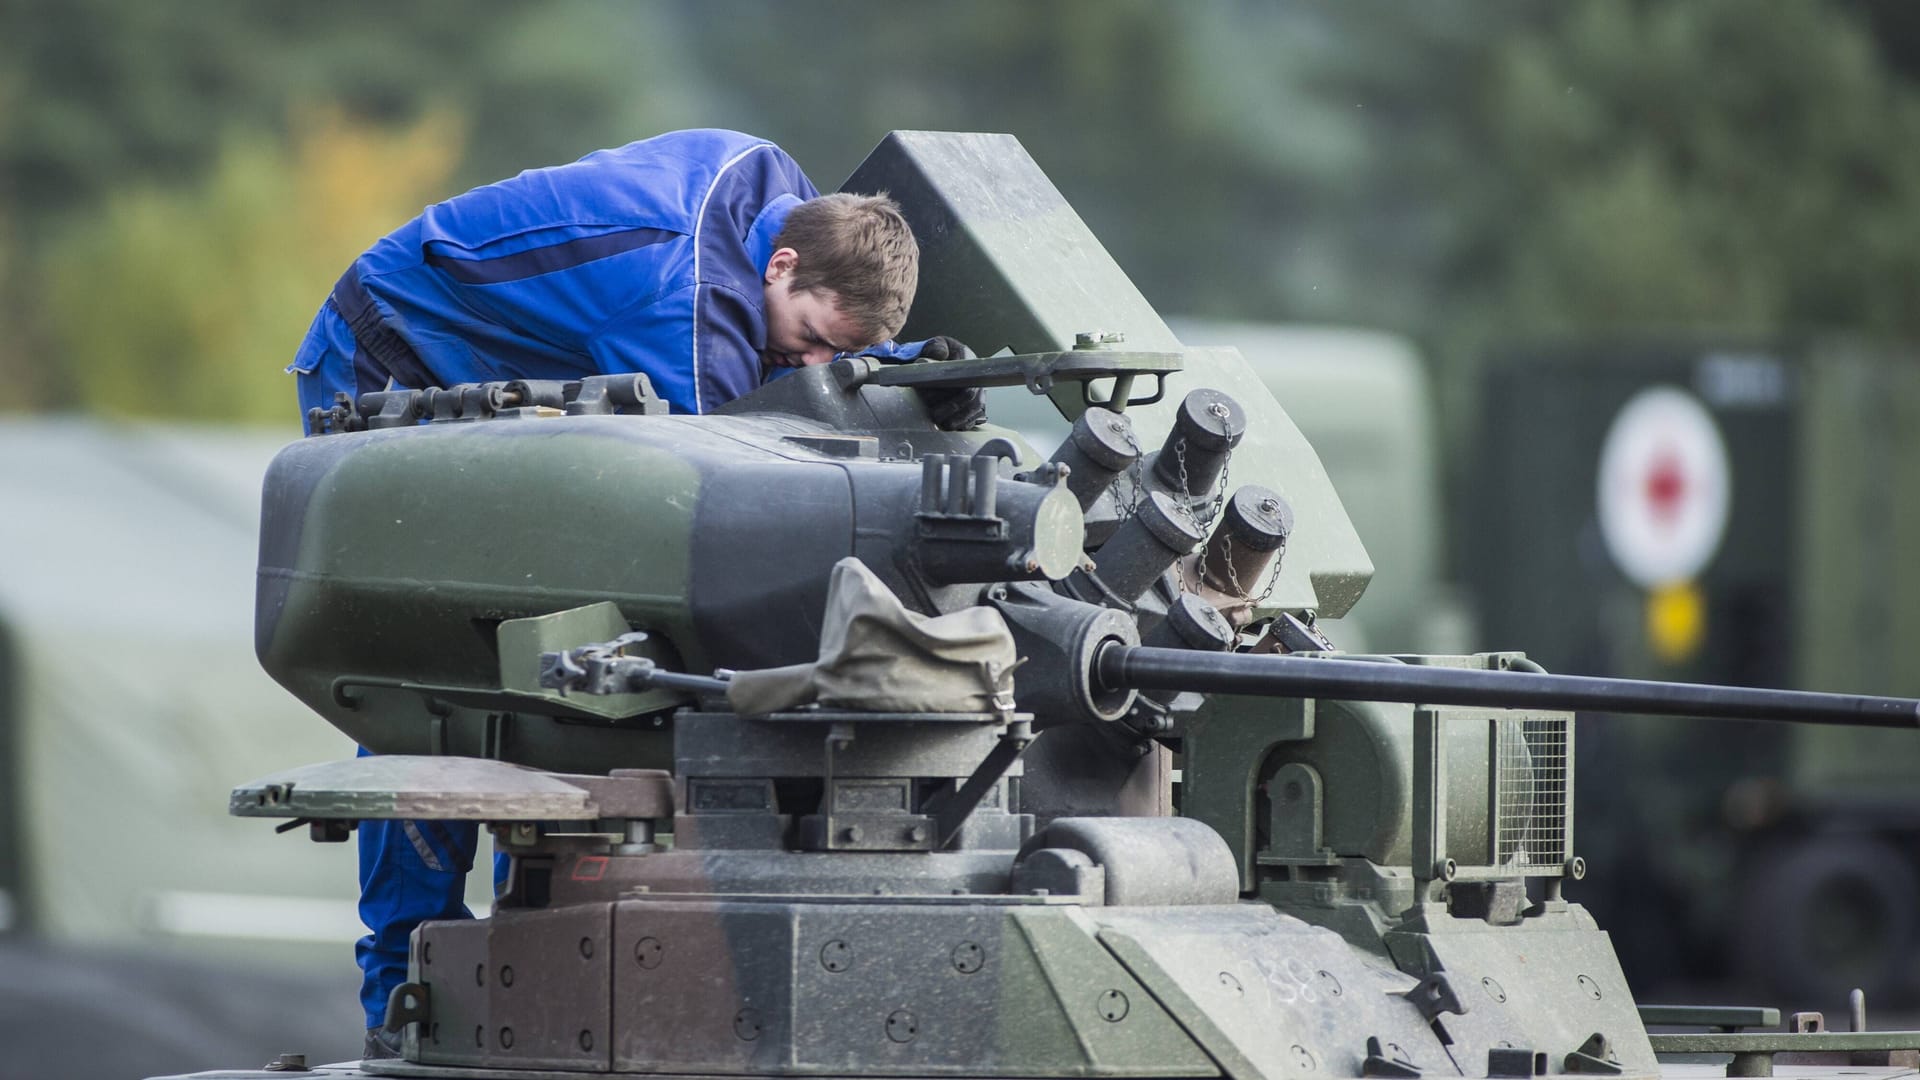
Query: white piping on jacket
699	222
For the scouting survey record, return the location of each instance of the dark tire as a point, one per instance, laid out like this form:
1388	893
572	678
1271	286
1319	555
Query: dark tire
1826	914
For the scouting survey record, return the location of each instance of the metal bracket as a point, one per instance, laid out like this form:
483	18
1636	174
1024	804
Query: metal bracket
600	395
1122	394
409	1003
1434	996
1595	1056
1036	371
1293	634
606	668
1515	1062
1726	1018
957	498
951	813
1379	1064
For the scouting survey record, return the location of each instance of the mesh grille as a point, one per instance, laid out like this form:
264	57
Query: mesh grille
1530	791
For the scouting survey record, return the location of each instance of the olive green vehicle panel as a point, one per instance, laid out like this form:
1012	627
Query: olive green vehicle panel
1007	263
1267	995
523	525
521	641
1225	761
1548	982
1256	770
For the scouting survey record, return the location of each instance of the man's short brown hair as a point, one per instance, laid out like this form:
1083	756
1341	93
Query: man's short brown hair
858	248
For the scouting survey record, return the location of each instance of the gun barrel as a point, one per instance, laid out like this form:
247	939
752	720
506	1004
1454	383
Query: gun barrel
1122	667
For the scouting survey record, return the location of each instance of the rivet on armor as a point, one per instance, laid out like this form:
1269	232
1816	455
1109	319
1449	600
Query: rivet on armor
647	951
836	955
968	957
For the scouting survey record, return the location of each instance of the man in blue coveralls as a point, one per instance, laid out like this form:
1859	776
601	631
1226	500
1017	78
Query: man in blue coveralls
703	259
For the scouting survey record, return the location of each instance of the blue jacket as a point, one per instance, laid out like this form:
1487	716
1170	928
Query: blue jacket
644	258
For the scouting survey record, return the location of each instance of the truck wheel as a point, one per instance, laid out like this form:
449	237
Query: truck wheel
1826	914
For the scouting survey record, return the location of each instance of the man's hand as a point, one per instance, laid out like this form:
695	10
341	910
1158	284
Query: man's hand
942	347
952	410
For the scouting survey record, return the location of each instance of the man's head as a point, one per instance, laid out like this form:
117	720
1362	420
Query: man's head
842	276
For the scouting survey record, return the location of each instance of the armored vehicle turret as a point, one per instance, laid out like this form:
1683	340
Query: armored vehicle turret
827	743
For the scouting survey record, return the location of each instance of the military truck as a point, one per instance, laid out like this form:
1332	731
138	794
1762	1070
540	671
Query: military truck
826	742
1726	511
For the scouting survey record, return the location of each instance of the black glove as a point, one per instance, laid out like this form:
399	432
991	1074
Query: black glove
942	347
956	410
959	409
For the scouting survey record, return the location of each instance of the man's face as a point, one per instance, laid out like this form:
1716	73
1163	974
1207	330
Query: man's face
803	328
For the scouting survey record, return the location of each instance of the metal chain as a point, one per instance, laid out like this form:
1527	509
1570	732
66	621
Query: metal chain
1218	508
1185	502
1186	492
1233	573
1272	580
1226	539
1133	474
1226	465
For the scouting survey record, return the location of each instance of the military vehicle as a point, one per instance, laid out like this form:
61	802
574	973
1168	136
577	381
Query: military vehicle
828	743
1720	510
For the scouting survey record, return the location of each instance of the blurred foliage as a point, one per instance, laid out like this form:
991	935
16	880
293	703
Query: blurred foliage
1692	163
176	301
125	91
1464	171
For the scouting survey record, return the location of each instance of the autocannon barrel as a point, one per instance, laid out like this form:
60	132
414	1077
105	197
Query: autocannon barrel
1119	667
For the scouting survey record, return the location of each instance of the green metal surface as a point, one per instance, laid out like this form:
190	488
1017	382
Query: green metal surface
515	526
1785	1042
1550	981
1725	1017
521	641
1030	369
1006	263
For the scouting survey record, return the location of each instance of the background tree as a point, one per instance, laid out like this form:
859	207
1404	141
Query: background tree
177	302
1463	172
